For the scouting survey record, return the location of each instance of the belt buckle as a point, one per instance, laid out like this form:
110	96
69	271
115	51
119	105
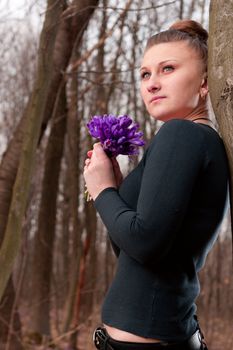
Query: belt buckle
97	336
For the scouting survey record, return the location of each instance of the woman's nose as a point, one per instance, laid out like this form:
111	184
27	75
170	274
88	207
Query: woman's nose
153	87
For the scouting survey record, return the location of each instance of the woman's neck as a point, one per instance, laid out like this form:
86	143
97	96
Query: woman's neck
200	114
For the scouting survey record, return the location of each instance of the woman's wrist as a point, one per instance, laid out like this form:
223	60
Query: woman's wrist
102	188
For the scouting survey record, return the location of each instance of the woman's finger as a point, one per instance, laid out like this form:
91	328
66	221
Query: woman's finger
89	154
98	152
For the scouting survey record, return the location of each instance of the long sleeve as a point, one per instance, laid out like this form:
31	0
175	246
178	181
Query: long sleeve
115	248
172	164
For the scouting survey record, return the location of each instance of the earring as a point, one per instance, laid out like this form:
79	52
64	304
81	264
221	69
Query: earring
202	95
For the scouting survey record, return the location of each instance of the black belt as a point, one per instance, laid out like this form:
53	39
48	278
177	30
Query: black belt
103	341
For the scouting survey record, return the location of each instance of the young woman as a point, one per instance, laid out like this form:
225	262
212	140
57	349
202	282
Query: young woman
163	219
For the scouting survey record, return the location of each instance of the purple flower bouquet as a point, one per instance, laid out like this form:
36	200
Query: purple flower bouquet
117	134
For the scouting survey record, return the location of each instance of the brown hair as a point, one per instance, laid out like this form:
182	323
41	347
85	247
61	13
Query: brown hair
187	30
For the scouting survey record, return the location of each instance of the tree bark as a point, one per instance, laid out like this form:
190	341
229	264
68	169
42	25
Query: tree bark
8	171
44	238
220	74
74	148
73	173
74	23
10	329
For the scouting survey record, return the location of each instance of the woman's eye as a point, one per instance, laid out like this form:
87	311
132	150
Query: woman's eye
145	75
168	68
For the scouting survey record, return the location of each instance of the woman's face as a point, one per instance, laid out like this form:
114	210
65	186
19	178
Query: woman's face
172	78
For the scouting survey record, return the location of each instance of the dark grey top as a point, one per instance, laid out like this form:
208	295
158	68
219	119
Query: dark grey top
162	222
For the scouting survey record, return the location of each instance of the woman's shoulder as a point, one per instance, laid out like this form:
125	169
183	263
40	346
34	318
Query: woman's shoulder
178	131
184	124
189	126
177	138
187	137
186	129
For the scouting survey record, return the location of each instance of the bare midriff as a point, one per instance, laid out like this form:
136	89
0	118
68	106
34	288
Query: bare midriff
120	335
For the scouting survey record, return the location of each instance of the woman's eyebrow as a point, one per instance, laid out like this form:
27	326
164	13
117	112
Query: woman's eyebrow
160	63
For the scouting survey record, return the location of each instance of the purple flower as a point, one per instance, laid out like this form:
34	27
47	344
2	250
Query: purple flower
118	135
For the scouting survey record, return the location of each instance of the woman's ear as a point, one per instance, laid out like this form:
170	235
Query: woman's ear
204	89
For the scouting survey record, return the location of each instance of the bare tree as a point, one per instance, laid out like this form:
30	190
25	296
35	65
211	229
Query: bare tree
44	238
221	74
12	238
43	247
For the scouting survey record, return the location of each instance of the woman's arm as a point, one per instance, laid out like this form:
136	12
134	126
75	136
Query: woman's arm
172	166
115	248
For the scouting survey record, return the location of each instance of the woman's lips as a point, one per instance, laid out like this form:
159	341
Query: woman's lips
156	98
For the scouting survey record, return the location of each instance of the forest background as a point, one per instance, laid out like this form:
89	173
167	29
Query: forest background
60	63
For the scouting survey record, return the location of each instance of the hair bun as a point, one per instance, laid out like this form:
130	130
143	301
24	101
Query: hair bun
192	28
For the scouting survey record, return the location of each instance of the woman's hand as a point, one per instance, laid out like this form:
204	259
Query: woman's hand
98	171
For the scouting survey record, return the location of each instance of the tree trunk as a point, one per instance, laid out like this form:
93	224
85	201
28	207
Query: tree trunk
74	148
8	172
181	9
10	330
61	57
31	126
11	242
73	173
221	74
74	23
44	238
